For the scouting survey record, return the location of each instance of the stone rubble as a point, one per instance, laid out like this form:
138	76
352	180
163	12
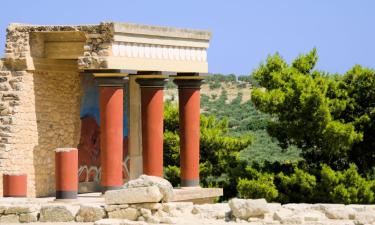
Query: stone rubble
247	211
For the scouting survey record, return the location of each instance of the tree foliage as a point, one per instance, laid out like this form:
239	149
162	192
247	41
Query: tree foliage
219	152
330	117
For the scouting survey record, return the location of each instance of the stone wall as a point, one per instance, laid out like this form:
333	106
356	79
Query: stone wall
57	104
39	111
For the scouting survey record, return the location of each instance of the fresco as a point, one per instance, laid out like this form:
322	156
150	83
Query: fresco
89	144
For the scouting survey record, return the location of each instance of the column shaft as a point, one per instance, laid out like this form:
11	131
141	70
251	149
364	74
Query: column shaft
111	136
189	106
152	108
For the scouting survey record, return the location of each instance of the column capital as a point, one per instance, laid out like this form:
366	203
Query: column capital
108	81
151	81
188	82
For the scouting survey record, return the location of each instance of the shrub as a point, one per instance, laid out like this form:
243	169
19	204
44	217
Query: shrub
172	174
345	186
297	187
258	188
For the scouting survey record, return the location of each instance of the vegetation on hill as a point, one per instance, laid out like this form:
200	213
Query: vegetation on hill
312	134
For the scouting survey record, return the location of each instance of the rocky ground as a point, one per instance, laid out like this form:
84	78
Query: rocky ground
146	201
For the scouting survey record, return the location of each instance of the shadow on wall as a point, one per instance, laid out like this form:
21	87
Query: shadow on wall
57	107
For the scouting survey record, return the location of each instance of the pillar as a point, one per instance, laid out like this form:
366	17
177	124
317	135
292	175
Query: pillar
66	172
189	115
111	98
14	185
152	109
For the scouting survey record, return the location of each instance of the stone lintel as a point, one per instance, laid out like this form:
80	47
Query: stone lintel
161	31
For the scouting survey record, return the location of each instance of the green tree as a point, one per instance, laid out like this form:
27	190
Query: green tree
220	164
330	117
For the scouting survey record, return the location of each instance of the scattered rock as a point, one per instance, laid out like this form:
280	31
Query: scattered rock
128	213
58	213
18	209
90	213
341	213
29	217
282	213
215	211
245	208
133	195
365	218
168	220
12	218
164	186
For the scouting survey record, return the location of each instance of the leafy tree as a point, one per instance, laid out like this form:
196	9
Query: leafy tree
220	164
330	117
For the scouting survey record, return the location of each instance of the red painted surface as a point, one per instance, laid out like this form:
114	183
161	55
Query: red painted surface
152	130
66	170
111	135
189	106
14	185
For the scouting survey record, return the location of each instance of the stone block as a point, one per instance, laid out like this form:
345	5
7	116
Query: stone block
21	208
29	217
11	218
128	213
165	187
245	208
133	195
118	222
90	213
58	213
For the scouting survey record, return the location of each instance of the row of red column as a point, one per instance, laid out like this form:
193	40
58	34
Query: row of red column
111	116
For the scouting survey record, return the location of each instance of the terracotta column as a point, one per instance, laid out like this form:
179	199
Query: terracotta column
152	109
66	172
14	185
111	97
189	111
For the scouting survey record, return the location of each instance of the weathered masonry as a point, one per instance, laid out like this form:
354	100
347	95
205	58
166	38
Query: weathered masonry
98	88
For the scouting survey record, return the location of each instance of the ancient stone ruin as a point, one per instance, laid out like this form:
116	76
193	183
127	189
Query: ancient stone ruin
97	88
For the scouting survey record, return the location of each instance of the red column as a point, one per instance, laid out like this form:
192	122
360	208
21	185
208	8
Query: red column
111	97
189	111
66	170
14	185
152	108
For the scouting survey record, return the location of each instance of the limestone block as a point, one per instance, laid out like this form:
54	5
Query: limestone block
128	213
29	217
298	207
146	213
365	218
153	219
165	187
211	211
2	209
108	222
184	207
11	218
245	208
341	213
90	213
168	220
312	215
110	208
282	213
58	213
21	208
118	222
152	206
133	195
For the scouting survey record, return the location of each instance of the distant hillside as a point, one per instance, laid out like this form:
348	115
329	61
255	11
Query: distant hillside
228	96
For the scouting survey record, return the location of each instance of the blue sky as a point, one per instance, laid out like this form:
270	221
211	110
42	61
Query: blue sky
244	31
